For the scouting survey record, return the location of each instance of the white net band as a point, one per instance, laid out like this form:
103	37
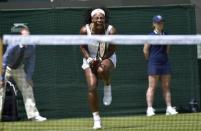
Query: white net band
115	39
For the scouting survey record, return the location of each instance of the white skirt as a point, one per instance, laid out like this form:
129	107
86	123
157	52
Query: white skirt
86	65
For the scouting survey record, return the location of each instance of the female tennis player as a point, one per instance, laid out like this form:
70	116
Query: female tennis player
99	60
158	69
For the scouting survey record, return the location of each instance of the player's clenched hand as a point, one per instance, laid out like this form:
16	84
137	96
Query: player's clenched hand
94	63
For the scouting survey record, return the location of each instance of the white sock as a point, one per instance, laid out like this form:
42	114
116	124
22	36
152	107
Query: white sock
169	107
107	90
150	108
96	116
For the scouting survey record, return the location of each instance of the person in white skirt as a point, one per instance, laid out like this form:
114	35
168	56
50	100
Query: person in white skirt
99	60
19	63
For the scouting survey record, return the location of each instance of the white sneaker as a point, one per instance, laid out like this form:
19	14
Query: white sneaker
171	111
107	98
150	111
39	118
97	124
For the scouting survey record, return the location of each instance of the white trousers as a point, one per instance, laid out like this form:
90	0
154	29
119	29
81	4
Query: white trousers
26	89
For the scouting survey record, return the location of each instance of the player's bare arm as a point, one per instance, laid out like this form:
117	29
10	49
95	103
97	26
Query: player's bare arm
168	49
84	48
146	51
112	48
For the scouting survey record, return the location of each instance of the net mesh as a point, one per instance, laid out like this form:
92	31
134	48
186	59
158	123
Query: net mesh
59	84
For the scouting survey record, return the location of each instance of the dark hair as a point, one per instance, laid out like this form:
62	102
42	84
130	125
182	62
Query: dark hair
88	15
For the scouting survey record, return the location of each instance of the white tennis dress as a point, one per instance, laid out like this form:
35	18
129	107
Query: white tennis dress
93	49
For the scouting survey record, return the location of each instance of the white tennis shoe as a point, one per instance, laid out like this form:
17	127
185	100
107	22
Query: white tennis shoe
38	118
97	124
150	111
171	111
107	98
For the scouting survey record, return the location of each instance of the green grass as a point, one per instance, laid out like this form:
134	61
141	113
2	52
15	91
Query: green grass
180	122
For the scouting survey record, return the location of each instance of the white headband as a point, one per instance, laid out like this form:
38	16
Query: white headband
97	11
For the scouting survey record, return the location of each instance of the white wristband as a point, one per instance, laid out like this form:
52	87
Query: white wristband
89	60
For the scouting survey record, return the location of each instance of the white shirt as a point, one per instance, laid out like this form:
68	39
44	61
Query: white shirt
93	48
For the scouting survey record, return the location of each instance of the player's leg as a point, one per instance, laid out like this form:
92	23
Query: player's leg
152	81
165	81
92	83
28	96
104	73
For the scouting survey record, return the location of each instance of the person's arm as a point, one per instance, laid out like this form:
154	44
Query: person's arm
6	57
146	51
30	66
84	48
112	48
168	49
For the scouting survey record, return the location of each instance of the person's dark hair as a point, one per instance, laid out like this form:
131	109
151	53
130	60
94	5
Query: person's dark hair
88	15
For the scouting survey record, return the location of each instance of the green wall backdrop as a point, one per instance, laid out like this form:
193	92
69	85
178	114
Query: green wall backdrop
60	87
